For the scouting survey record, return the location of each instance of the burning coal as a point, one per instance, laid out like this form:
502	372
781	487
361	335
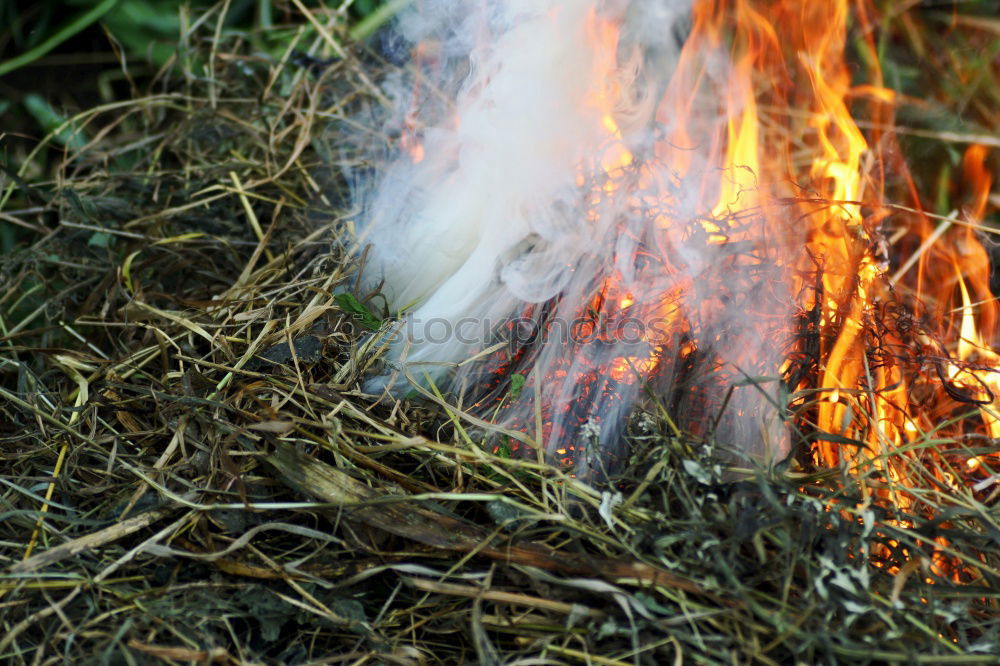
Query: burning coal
595	200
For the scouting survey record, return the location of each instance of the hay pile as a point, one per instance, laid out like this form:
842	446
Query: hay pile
191	473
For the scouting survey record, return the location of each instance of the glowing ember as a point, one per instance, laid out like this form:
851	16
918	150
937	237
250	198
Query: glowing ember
631	195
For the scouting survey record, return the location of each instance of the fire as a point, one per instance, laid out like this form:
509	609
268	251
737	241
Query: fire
726	199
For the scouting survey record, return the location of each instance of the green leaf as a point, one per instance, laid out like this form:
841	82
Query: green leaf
352	306
99	239
516	384
51	120
146	29
503	449
8	237
82	207
653	605
694	469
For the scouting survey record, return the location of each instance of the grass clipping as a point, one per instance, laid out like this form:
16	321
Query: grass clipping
191	474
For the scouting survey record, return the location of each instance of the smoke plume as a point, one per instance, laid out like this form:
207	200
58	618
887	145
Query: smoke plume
560	205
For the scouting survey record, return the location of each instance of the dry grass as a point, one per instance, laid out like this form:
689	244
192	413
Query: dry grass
190	472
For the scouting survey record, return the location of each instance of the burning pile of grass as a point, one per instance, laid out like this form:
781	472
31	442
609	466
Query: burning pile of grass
193	473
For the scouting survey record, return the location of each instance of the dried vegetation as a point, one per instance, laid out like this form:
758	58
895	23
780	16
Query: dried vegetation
190	472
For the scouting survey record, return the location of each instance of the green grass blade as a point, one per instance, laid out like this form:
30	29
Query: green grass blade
51	120
368	25
61	35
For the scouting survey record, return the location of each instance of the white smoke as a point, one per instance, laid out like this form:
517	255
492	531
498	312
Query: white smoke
539	171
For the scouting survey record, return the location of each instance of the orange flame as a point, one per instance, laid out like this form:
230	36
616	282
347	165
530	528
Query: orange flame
883	353
792	162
